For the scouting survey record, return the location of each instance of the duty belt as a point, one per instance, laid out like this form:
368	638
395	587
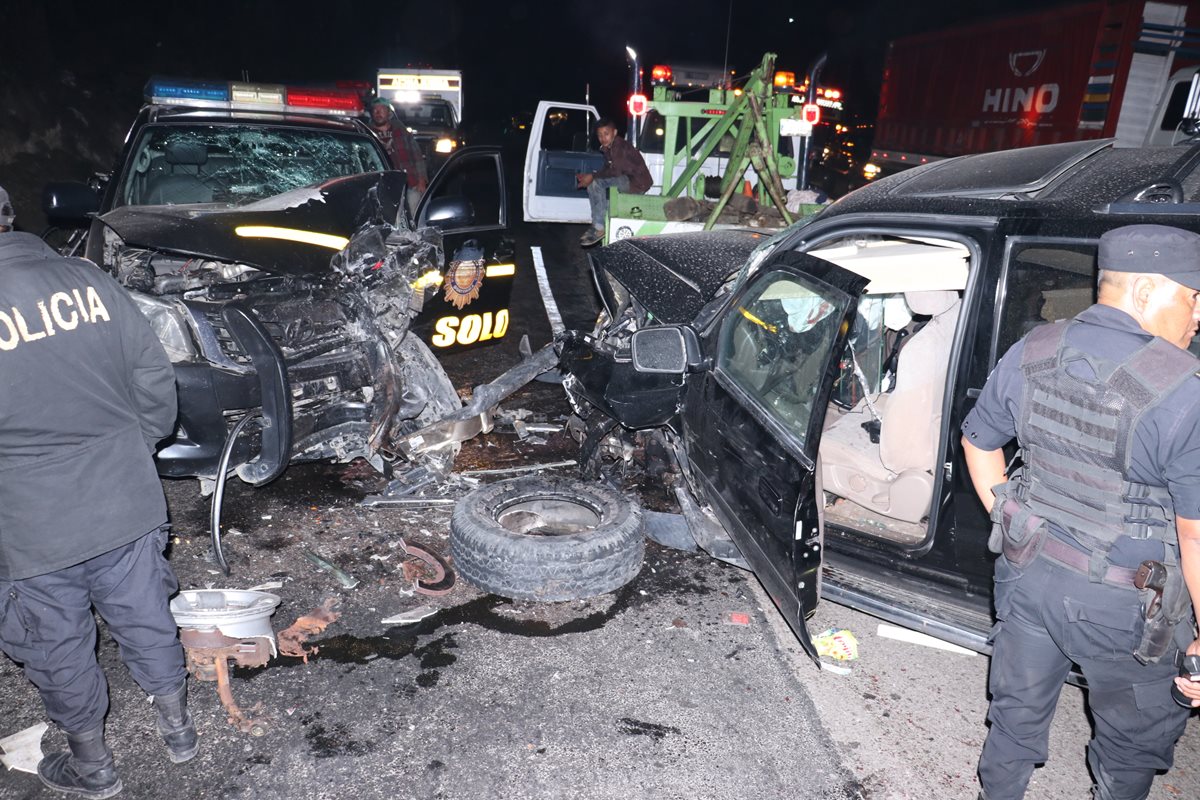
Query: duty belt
1057	550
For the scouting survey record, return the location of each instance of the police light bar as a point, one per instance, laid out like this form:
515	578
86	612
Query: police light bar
237	96
182	91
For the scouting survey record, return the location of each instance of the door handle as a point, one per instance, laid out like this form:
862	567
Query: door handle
770	495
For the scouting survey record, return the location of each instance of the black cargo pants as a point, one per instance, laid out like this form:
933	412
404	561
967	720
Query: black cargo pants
46	625
1050	616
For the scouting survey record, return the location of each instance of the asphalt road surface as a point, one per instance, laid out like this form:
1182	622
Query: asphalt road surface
684	684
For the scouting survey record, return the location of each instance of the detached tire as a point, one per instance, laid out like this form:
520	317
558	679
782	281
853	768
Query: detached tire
538	538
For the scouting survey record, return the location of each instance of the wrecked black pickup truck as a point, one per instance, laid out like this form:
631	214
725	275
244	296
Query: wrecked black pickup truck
259	230
803	393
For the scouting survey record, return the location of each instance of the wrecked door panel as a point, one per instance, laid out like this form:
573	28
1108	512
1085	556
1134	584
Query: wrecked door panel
752	424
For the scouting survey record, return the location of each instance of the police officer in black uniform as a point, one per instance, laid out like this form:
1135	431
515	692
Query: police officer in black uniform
86	391
1104	408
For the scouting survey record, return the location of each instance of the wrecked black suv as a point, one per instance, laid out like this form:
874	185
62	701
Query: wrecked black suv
809	388
261	232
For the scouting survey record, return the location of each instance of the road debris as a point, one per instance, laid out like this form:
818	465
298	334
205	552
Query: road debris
524	468
293	638
837	643
410	617
23	749
346	580
923	639
428	572
835	669
220	625
416	502
669	530
736	618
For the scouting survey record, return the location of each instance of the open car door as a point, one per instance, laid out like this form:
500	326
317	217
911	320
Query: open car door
466	201
559	149
752	423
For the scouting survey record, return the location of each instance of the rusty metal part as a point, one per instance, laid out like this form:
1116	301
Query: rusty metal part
293	638
432	576
208	654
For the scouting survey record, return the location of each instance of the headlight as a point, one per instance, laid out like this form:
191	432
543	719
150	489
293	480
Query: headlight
445	145
169	324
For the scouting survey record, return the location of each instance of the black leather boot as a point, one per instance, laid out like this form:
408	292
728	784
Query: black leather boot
87	769
175	724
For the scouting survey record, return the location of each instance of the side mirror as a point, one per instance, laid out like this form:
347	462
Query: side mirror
673	349
70	201
449	212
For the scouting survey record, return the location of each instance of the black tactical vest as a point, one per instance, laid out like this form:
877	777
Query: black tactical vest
1076	436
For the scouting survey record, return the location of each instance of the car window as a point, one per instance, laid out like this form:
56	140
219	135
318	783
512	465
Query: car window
474	182
776	344
234	165
568	129
431	114
1173	115
1043	282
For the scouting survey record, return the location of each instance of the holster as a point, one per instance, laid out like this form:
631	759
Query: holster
1017	532
1158	631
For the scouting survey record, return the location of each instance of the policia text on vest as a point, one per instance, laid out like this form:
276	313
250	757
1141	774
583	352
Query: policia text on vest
60	312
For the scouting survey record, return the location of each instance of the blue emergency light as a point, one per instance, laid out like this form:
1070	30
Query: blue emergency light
187	89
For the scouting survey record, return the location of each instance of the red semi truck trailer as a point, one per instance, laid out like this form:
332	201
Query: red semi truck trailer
1118	69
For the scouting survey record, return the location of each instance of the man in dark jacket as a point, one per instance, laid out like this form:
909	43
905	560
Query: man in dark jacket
86	391
401	147
623	167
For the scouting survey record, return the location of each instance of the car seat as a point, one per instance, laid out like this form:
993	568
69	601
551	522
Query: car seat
894	477
181	184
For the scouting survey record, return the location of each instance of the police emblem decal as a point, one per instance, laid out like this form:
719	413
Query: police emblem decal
464	279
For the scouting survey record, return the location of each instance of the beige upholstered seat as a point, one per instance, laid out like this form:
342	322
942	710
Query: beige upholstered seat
895	477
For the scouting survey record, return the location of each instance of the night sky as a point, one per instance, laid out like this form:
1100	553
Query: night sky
512	53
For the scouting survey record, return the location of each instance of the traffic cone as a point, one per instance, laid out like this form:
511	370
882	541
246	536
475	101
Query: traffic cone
747	190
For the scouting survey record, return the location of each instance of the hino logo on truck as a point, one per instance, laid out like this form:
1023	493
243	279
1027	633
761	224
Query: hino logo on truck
1041	99
1026	62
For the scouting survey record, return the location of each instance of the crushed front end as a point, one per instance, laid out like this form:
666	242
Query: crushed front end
322	359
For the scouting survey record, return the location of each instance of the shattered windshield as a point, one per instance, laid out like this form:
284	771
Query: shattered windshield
233	165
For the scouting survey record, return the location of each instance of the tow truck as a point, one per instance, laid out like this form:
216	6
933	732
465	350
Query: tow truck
734	143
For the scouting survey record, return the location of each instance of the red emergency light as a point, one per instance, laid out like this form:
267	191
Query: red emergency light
810	113
329	99
638	105
661	74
